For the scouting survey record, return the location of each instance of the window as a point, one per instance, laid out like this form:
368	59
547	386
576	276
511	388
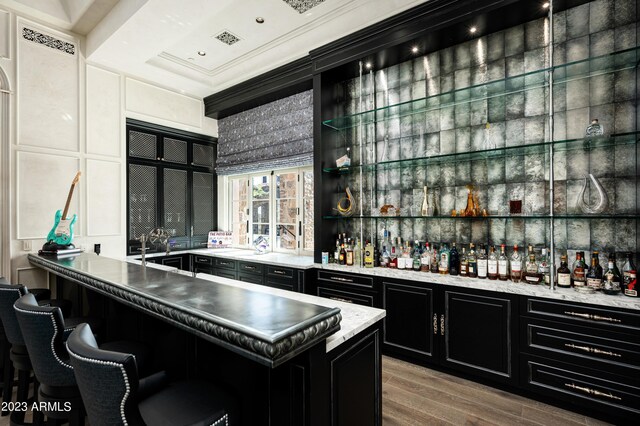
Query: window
276	205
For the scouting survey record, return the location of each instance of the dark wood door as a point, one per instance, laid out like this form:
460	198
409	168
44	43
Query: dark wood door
411	324
478	330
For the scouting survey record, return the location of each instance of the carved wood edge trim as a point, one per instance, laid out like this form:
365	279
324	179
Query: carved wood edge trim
272	354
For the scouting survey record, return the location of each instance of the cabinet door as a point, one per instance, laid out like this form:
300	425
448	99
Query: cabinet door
174	261
175	202
204	203
204	155
143	145
477	331
174	151
411	323
142	201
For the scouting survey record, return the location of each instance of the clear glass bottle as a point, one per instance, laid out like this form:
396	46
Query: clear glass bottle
425	259
594	274
408	261
563	275
611	277
357	254
629	277
492	264
531	273
401	259
454	260
386	257
516	265
543	267
472	262
579	271
435	259
464	263
443	266
503	264
483	263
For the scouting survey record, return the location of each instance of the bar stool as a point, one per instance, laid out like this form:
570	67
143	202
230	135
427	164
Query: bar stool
113	394
43	329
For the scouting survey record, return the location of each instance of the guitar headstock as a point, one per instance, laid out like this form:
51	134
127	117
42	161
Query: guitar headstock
76	179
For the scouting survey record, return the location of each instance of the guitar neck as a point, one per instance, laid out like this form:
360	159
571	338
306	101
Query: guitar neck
66	206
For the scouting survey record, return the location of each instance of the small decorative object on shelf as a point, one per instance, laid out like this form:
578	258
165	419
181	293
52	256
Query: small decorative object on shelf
454	213
261	244
597	207
515	206
389	210
426	210
344	161
345	204
473	206
594	129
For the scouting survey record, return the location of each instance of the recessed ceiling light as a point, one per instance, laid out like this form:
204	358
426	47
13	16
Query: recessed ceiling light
260	20
414	49
473	30
368	65
546	5
202	52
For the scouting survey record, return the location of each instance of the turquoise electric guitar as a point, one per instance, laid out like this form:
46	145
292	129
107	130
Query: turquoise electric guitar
62	231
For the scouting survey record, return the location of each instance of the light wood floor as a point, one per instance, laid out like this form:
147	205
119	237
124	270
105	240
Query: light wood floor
414	395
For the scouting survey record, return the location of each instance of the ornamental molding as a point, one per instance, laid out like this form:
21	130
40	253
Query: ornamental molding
270	354
48	41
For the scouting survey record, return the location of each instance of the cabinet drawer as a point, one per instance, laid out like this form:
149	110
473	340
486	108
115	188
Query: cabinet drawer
346	296
283	274
586	346
618	395
203	260
583	314
250	268
280	285
348	279
225	273
250	278
202	269
224	263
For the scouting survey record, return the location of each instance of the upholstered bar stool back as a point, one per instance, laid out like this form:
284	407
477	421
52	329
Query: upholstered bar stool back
113	394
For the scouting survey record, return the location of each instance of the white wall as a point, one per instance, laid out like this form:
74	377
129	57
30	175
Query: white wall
68	116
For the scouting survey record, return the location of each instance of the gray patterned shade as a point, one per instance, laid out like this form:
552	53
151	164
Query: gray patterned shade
276	135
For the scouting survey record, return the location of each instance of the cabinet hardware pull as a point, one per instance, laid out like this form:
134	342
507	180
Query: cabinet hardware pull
279	272
442	325
249	267
592	316
341	300
435	324
592	350
346	280
593	391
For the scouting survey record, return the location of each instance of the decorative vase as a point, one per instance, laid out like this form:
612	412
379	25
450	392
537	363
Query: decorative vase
594	129
600	205
470	209
345	204
426	210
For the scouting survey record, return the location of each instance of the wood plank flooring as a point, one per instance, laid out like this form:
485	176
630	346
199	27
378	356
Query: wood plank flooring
414	395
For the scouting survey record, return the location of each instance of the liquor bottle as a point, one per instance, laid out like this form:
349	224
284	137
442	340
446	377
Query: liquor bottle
503	264
385	238
408	261
543	267
349	254
594	274
492	264
454	260
579	271
443	267
368	255
483	263
400	259
563	276
611	278
342	257
386	257
464	263
417	256
531	273
516	265
425	259
336	253
357	254
629	278
435	259
472	262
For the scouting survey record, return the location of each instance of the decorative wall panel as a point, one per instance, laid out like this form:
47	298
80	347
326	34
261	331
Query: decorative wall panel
42	186
104	112
278	134
104	203
48	102
5	37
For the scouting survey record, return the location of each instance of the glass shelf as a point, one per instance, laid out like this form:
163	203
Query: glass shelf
511	217
605	64
496	153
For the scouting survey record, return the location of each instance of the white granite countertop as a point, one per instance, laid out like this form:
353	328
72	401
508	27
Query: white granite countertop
567	294
273	258
355	318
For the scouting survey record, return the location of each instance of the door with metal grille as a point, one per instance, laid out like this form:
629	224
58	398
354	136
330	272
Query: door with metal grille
175	211
204	203
142	202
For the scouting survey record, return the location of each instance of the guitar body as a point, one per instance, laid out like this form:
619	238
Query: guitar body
62	231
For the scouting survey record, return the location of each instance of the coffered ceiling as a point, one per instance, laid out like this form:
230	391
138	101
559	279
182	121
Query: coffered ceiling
200	47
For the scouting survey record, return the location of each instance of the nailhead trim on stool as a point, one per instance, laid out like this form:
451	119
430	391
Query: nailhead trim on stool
55	333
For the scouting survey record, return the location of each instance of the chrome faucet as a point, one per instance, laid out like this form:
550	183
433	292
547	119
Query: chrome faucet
143	249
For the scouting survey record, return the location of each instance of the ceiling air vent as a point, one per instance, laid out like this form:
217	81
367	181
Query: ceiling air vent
227	38
301	6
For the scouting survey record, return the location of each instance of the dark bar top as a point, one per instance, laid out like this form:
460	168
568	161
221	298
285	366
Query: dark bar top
267	328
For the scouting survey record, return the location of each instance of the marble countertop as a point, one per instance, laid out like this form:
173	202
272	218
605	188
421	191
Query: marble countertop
273	258
355	318
267	328
567	294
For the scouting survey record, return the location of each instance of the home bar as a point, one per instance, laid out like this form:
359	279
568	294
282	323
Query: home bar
320	212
